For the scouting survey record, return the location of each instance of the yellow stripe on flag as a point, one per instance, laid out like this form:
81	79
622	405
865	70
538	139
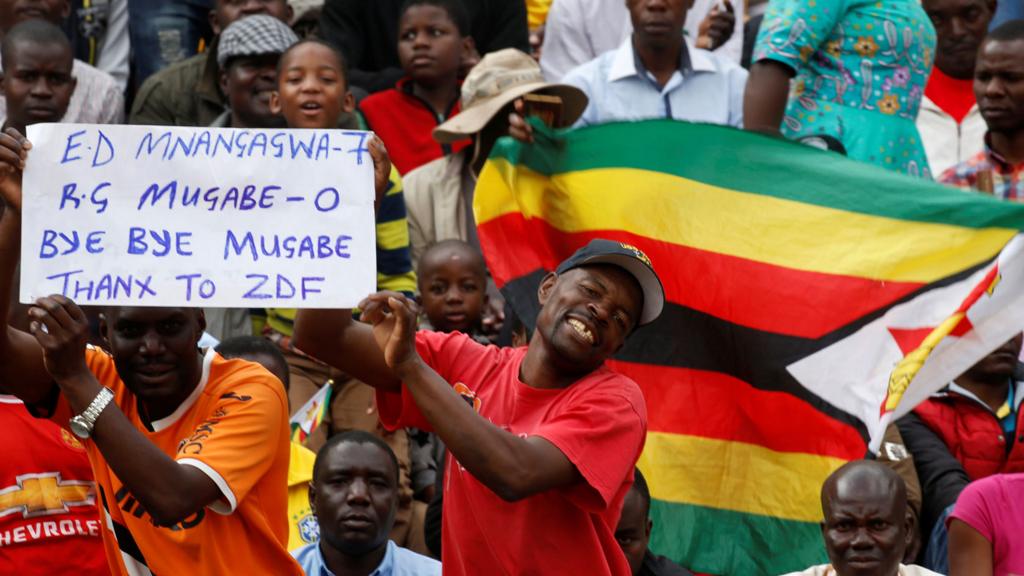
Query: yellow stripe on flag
760	228
735	476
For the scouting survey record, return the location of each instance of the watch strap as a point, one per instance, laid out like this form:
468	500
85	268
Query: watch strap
92	412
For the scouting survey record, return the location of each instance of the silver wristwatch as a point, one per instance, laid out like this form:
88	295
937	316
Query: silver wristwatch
82	424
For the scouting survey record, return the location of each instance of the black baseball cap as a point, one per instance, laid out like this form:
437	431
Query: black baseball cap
632	260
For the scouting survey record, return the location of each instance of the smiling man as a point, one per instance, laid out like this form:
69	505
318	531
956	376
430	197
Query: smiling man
867	525
999	89
542	439
354	496
189	450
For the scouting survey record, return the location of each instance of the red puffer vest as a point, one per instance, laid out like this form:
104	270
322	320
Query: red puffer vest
973	434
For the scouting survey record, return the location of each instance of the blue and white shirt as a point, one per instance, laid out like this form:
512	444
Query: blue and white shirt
397	562
706	88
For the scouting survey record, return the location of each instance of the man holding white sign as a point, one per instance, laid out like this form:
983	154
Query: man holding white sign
190	450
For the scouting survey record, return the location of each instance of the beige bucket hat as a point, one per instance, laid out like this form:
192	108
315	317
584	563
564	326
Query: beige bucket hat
498	79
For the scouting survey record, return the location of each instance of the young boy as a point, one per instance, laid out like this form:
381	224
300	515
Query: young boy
452	282
313	93
433	40
37	81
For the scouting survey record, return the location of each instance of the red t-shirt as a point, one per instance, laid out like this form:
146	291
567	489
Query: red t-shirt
49	522
599	423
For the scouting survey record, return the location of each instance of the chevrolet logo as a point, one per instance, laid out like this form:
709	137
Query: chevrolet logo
45	494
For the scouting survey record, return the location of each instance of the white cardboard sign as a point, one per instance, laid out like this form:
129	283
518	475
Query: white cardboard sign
219	217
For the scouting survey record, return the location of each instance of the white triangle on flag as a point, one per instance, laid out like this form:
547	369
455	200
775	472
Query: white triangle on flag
853	374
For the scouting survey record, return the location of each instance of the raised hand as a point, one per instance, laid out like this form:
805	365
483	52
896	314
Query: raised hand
393	317
717	27
14	149
62	330
381	170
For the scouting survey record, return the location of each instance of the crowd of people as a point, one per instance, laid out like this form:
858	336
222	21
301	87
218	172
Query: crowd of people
156	440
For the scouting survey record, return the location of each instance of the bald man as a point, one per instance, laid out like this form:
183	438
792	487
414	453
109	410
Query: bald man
867	524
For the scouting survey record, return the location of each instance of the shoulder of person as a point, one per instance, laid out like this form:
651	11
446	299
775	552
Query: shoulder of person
702	59
915	570
607	383
590	71
241	380
420	179
94	74
424	565
184	75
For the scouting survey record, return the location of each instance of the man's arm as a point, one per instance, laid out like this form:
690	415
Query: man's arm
332	336
22	371
969	552
512	467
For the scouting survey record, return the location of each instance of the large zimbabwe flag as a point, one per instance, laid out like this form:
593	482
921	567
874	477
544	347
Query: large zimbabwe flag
807	294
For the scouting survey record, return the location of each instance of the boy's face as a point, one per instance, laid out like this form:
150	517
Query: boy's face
312	91
249	82
38	83
452	290
430	47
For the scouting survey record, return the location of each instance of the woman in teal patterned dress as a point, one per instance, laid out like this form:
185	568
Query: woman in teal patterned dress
860	69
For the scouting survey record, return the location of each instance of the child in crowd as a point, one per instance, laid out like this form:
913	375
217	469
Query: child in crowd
313	93
433	40
452	283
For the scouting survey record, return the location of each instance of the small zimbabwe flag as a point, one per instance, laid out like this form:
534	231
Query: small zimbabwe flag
807	295
312	413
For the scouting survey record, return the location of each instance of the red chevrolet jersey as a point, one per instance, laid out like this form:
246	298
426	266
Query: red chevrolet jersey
49	523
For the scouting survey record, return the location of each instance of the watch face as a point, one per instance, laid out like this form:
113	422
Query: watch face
79	427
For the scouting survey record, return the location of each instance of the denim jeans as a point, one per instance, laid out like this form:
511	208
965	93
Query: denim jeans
164	32
936	552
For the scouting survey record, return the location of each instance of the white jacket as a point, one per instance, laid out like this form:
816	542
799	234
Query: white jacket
945	142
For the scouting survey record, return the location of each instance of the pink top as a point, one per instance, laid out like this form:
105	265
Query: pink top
994	506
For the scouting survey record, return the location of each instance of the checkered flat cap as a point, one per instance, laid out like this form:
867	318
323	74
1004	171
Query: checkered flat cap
252	36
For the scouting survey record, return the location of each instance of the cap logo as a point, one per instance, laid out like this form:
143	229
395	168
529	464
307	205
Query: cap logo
638	253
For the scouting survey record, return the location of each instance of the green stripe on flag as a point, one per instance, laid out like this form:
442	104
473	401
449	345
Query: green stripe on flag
721	542
758	164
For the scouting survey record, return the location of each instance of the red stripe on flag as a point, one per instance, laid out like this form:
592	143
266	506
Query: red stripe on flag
714	405
741	291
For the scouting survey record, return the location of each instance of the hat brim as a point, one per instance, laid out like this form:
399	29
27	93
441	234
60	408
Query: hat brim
471	121
650	284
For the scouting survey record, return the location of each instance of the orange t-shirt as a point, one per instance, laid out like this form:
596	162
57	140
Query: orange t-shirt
233	427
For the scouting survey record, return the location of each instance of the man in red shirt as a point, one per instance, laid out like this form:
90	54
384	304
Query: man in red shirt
49	523
543	439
